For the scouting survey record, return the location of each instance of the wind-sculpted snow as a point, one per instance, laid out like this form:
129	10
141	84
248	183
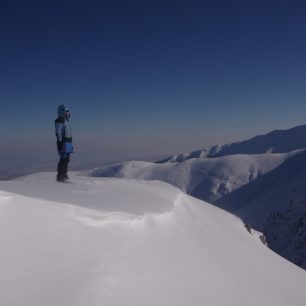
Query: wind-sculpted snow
278	141
231	182
86	243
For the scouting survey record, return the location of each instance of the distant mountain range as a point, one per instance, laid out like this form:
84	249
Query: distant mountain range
278	141
262	180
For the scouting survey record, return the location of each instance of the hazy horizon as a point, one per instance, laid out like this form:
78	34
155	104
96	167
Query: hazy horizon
147	79
20	162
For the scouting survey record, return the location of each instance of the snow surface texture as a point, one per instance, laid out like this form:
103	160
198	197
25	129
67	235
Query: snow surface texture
279	141
231	182
101	241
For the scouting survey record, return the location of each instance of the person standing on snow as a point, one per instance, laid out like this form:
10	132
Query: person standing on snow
64	142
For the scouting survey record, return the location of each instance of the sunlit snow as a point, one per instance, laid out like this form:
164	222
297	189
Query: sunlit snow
100	241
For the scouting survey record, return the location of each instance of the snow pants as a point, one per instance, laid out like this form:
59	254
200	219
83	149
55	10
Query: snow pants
62	167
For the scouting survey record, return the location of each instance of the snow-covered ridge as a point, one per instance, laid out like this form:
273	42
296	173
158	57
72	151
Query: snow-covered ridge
237	183
278	141
207	179
100	241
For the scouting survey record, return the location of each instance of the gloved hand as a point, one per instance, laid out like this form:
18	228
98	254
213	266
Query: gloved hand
60	146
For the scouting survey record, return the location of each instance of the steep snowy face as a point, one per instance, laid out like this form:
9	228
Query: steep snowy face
280	212
279	141
120	242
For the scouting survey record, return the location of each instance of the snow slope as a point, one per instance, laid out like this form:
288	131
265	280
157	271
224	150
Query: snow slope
238	183
208	179
100	241
278	141
275	205
279	210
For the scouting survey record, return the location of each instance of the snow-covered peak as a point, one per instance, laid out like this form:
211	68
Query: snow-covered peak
278	141
86	243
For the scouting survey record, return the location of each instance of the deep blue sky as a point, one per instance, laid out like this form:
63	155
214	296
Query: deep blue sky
147	78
